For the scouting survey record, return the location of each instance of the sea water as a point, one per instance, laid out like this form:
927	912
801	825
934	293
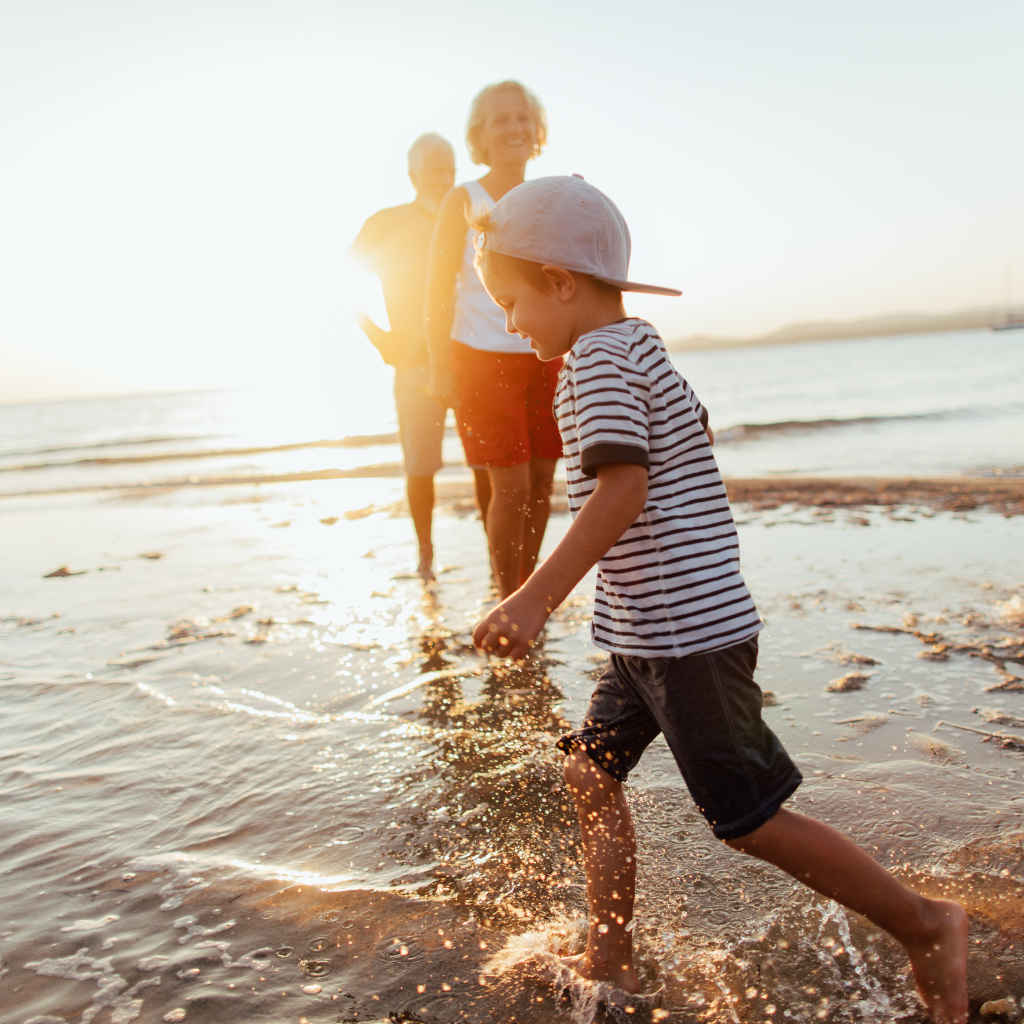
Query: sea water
253	771
929	404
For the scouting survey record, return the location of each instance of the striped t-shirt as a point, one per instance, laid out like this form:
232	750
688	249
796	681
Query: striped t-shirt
671	584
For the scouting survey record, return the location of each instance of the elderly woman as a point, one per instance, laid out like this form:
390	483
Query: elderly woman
501	392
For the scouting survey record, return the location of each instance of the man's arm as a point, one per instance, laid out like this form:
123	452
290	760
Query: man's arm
366	250
619	498
446	250
383	341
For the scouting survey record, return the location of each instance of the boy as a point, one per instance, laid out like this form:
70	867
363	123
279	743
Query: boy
671	606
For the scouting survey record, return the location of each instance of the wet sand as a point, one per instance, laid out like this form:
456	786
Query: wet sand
265	777
909	494
1004	494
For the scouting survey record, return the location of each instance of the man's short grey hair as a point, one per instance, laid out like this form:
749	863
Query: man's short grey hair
419	149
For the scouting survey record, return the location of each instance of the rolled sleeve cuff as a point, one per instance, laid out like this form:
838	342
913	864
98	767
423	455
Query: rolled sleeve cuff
612	455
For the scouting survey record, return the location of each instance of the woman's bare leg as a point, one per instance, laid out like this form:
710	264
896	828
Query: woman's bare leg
542	472
482	489
506	523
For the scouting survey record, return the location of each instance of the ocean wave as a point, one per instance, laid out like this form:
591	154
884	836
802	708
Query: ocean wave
376	471
755	431
356	441
121	442
737	432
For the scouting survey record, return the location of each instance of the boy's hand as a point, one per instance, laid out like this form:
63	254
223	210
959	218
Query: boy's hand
620	496
509	629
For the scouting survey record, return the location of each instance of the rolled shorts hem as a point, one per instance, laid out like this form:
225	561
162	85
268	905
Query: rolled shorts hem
767	810
572	742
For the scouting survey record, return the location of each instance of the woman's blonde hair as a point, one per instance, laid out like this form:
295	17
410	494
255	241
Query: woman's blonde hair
478	115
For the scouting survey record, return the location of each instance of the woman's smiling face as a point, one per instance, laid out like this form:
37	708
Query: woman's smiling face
509	133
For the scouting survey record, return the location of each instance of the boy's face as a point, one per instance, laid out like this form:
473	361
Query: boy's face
534	313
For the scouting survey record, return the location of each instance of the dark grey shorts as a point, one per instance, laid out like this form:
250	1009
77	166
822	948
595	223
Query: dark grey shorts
709	708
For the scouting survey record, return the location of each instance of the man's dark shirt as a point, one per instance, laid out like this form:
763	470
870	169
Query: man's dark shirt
395	244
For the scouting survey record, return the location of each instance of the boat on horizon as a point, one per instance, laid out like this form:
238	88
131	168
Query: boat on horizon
1012	323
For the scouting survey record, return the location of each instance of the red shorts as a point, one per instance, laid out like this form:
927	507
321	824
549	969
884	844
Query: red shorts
503	406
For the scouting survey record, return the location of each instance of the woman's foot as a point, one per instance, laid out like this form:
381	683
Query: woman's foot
940	964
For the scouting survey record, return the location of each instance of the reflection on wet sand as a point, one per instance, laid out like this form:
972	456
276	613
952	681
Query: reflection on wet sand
497	773
362	818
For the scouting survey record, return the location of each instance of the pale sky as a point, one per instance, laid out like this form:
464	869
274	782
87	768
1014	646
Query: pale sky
179	184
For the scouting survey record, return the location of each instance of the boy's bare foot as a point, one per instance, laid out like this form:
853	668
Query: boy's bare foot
940	965
620	975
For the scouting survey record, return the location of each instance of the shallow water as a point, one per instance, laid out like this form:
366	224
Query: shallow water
933	404
265	777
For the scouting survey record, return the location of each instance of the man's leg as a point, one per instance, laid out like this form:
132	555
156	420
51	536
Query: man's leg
419	491
609	859
421	430
542	472
506	518
934	932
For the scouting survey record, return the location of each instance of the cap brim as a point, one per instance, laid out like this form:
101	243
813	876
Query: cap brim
634	286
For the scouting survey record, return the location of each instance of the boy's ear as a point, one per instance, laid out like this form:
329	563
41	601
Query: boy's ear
561	280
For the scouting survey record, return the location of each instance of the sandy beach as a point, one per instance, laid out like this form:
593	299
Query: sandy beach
255	771
258	772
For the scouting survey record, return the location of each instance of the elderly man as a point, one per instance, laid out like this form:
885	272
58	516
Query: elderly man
394	243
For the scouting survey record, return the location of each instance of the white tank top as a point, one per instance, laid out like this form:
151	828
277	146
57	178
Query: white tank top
477	321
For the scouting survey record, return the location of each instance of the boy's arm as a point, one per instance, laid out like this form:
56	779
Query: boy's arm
619	498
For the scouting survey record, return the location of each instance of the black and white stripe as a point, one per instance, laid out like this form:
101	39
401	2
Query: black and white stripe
671	585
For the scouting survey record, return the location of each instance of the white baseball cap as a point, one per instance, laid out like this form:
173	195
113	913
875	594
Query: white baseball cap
564	221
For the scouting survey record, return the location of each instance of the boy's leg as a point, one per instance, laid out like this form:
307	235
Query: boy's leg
934	932
709	708
609	858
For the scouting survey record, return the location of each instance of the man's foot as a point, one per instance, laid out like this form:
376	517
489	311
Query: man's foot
622	976
940	965
425	570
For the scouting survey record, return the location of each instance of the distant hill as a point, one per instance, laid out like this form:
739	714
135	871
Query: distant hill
837	330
